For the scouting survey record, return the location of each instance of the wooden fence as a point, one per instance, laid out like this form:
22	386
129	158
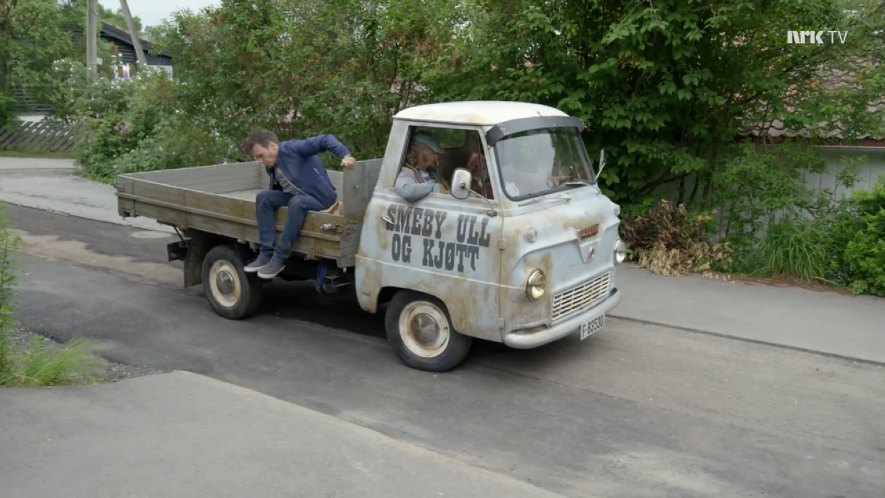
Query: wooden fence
38	136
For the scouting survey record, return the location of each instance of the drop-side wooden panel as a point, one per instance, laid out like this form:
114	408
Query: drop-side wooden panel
220	199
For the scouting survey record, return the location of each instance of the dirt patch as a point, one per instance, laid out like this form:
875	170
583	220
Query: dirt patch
780	281
119	371
783	280
56	249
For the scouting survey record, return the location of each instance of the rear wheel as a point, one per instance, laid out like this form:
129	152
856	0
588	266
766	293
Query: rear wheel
232	292
420	330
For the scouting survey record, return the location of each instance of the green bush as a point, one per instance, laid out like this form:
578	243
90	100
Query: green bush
773	223
57	86
107	131
176	143
7	109
817	238
770	224
755	185
135	125
860	226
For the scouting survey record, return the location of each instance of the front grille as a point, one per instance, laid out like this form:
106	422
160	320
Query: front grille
581	297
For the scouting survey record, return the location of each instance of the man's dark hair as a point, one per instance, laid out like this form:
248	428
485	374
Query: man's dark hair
260	137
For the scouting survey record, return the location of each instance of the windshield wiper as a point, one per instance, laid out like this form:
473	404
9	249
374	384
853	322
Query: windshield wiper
577	183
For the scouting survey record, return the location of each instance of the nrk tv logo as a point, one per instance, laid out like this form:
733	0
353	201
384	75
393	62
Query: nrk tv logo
816	37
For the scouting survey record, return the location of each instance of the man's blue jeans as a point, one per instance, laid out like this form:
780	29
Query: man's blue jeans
266	204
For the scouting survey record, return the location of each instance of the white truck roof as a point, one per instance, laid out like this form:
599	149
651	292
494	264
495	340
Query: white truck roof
481	112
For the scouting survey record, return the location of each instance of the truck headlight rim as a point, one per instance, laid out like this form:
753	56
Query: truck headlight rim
620	251
536	285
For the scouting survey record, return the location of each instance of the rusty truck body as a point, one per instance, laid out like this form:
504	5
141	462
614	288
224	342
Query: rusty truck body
521	250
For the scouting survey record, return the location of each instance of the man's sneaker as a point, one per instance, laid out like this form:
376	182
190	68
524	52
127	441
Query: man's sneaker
271	269
258	264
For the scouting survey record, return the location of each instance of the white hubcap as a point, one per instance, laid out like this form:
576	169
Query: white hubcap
224	283
424	329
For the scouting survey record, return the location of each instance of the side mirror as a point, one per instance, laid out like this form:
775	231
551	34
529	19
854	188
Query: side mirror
601	162
460	184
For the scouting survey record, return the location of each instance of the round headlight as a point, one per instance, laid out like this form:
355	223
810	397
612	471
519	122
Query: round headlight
620	251
535	285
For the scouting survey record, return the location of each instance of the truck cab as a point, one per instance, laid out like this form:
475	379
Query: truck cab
518	245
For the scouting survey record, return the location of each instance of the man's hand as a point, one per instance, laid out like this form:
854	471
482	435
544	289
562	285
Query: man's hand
347	161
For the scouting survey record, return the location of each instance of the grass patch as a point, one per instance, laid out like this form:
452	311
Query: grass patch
796	248
39	361
31	360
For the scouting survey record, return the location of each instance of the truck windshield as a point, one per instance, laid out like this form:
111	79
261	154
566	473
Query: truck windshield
538	162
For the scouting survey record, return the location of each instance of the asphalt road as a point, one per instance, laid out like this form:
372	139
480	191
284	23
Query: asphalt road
637	410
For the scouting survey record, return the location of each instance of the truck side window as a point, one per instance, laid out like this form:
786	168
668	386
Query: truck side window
476	163
433	154
419	173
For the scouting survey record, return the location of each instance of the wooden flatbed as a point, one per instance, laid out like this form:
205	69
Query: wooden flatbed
220	200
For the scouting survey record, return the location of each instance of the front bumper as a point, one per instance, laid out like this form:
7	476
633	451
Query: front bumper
538	336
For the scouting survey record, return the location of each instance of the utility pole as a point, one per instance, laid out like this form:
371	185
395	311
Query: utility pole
136	43
91	34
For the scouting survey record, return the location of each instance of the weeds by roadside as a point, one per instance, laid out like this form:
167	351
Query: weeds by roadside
28	360
795	247
770	225
668	240
33	360
8	247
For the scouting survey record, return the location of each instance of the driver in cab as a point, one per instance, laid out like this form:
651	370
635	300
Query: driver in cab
418	176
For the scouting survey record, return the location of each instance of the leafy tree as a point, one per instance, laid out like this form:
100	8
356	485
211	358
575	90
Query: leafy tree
303	67
7	101
842	94
42	52
665	86
116	18
6	8
133	125
36	34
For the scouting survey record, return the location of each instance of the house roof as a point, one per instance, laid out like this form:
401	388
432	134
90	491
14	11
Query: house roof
833	80
833	131
113	32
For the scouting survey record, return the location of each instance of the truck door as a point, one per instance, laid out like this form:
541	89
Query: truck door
435	244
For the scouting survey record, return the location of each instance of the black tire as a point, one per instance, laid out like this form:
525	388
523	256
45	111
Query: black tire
233	293
439	348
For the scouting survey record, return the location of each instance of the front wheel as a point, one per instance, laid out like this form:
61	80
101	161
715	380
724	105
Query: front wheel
232	292
420	330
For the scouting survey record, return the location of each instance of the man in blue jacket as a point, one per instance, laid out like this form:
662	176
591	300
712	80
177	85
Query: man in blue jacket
298	181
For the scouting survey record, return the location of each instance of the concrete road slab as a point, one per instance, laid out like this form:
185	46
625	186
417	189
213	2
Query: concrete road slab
820	321
35	163
60	191
183	434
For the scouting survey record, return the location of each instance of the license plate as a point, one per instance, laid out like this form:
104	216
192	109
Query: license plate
592	327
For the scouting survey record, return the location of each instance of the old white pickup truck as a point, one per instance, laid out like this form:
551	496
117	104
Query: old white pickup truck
521	249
